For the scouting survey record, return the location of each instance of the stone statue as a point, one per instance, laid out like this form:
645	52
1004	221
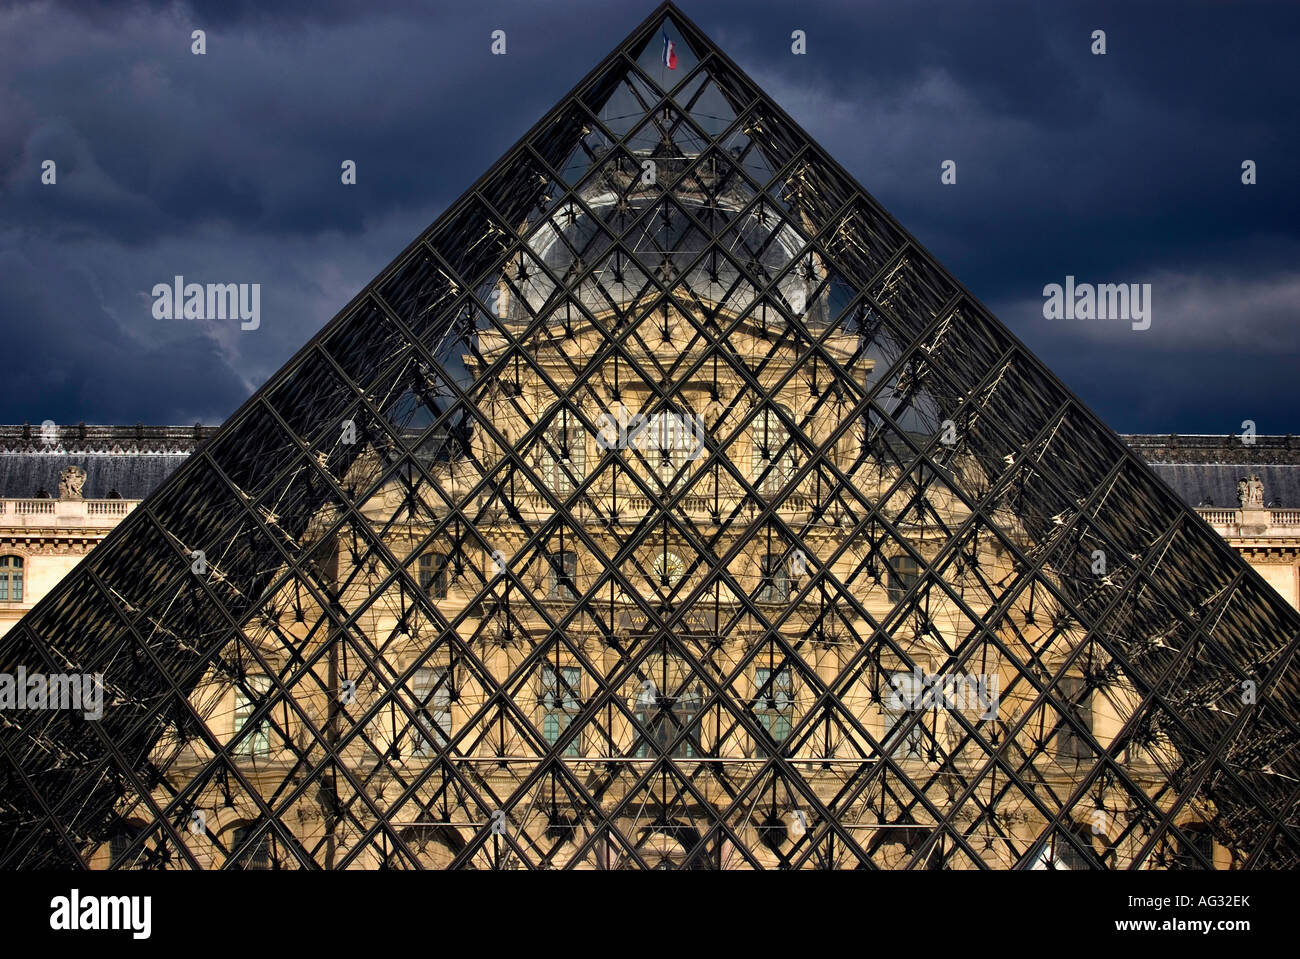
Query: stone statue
1250	492
71	480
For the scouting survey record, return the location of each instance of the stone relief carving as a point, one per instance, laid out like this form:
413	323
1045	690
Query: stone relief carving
1250	492
71	481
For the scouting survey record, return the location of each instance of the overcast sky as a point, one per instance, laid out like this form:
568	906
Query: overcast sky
1122	168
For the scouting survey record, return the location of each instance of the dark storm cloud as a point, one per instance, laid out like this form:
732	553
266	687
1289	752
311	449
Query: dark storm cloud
225	168
65	350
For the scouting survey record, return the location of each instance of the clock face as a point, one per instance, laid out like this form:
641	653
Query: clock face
669	568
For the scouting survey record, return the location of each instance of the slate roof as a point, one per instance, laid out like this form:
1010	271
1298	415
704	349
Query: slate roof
129	461
133	460
1215	484
1205	470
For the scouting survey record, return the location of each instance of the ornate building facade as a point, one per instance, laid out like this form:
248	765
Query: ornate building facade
63	488
665	505
43	533
1247	490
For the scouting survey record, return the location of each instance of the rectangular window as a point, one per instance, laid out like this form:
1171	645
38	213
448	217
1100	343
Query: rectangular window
904	573
666	716
665	724
431	687
904	696
563	571
774	581
670	444
1200	839
560	704
774	701
434	574
11	579
1070	743
257	742
772	460
564	457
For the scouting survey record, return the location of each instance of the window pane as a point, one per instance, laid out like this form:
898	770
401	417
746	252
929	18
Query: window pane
775	579
434	574
431	687
905	694
667	444
1199	839
11	579
1070	743
560	704
117	846
667	705
563	575
258	742
256	856
774	702
769	435
904	573
564	455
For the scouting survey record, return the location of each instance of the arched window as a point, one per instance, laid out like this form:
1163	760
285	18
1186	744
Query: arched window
434	574
11	579
772	459
564	454
124	833
434	846
117	846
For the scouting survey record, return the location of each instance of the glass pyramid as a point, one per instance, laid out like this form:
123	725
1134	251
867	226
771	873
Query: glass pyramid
663	505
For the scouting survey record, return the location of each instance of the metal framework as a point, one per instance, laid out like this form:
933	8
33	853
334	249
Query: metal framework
624	522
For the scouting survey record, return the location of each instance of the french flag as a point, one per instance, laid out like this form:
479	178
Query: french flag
670	53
